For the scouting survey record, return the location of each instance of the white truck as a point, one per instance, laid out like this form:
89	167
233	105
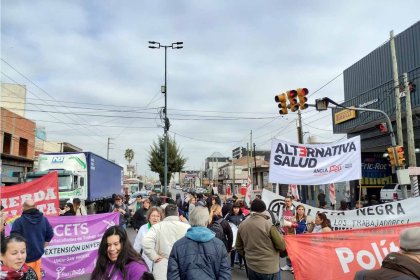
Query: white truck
393	192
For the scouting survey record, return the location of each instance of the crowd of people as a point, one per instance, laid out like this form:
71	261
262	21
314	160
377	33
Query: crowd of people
195	237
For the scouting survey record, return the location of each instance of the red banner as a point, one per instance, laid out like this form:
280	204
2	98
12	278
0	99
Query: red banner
340	254
44	191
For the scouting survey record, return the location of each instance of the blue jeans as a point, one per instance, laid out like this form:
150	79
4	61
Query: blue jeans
252	275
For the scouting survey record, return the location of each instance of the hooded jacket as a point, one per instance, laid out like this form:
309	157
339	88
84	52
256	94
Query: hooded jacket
395	266
198	255
36	229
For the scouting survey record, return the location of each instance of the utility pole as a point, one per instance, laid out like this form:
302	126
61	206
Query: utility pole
247	157
233	176
396	90
410	135
108	148
255	166
300	139
157	45
252	170
299	128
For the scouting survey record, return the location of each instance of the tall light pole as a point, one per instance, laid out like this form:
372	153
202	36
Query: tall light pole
157	45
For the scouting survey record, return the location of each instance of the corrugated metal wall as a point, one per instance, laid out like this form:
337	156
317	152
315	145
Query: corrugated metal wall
370	81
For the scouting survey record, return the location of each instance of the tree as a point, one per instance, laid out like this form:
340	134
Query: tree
157	158
129	156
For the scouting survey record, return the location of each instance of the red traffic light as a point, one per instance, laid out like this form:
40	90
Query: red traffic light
291	94
302	91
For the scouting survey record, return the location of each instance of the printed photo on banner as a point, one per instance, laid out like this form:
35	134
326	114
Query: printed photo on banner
307	164
393	213
44	191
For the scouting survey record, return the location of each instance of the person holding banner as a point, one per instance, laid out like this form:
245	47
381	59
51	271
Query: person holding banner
36	229
13	255
399	265
322	224
117	260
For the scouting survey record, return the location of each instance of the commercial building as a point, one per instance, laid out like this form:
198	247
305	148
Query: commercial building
369	84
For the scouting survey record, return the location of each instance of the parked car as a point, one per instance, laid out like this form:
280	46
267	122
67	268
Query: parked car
393	192
199	190
144	194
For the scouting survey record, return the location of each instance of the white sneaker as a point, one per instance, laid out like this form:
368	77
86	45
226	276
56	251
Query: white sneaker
286	268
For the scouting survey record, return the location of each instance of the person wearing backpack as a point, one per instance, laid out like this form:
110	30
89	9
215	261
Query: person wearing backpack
220	226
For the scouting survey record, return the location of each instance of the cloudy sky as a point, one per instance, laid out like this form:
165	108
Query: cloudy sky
88	68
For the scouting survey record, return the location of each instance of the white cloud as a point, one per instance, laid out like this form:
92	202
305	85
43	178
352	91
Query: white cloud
236	57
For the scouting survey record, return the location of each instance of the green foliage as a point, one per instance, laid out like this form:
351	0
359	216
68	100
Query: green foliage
157	158
129	155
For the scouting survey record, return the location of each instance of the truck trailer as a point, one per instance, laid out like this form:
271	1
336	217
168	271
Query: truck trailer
83	175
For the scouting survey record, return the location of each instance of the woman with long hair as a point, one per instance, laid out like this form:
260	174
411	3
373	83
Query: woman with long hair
235	217
140	216
13	256
79	209
117	260
154	216
300	219
322	223
225	234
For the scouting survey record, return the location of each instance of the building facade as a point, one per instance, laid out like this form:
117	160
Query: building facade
369	84
17	142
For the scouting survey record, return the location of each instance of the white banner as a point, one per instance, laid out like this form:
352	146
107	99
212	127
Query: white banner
315	164
393	213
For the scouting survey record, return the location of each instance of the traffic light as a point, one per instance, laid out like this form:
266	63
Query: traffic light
281	99
400	155
391	156
293	104
302	93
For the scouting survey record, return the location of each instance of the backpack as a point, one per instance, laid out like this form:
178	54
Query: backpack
217	228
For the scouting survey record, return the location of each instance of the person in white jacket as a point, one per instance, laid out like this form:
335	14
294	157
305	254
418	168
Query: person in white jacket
154	216
158	242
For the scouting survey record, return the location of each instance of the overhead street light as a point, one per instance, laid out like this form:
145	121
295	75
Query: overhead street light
164	90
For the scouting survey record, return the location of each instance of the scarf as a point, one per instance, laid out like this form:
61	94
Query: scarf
8	273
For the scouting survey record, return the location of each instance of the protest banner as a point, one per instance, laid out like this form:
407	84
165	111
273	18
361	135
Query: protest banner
392	213
315	164
342	253
248	193
73	250
44	191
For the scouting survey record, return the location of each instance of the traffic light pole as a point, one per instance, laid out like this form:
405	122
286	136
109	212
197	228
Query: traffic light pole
322	104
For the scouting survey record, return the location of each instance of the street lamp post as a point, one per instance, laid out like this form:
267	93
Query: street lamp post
157	45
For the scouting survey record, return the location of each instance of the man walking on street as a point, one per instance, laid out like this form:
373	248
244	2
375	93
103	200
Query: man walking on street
199	255
37	231
259	241
158	242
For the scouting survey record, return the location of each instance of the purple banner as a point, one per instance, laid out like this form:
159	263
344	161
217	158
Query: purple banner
73	250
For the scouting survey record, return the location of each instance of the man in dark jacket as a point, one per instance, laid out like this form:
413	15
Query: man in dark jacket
38	232
199	255
404	265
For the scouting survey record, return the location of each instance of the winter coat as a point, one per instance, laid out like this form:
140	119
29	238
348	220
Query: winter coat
138	244
134	270
198	255
159	241
139	218
235	219
259	241
36	229
394	266
227	230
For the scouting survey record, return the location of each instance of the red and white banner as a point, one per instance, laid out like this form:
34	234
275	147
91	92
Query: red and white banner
44	191
332	194
293	163
248	192
343	252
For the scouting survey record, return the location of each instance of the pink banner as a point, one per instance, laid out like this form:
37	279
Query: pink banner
73	250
